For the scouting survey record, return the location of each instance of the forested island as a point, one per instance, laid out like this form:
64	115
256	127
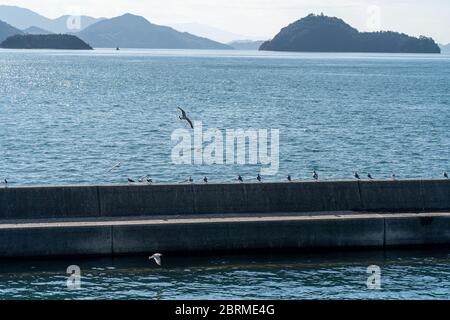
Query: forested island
319	33
45	41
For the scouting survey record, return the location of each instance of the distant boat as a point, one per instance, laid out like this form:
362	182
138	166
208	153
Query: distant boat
117	49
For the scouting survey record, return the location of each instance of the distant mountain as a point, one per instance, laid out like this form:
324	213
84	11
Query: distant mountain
216	34
23	18
246	44
131	31
445	48
36	30
7	31
45	41
319	33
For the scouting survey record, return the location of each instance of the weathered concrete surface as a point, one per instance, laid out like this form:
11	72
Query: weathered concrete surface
48	202
241	235
55	241
304	215
418	230
145	200
215	233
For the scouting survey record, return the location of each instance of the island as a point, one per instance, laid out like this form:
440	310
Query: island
320	33
45	41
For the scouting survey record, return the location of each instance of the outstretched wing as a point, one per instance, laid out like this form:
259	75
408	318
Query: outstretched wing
190	122
183	113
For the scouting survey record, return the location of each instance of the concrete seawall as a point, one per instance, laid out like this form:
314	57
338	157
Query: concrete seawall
104	220
150	200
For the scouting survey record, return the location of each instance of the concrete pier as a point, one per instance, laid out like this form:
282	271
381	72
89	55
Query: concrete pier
128	219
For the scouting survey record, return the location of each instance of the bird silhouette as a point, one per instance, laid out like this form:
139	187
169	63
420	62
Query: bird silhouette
240	179
185	117
315	175
289	178
356	175
446	175
205	180
259	178
369	176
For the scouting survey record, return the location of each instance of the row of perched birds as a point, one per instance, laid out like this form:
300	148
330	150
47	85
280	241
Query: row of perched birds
315	176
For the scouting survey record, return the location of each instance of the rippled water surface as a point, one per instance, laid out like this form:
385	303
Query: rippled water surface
67	117
404	275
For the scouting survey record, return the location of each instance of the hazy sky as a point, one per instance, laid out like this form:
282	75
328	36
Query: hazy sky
264	18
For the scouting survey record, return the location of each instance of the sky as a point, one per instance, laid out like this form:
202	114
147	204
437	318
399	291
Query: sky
264	18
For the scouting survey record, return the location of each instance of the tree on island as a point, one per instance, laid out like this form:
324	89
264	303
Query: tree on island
45	41
319	33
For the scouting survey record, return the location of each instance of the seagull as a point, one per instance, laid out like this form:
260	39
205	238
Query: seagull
356	175
157	258
240	179
205	180
446	175
115	166
191	180
131	180
185	117
145	179
289	178
315	175
369	176
259	178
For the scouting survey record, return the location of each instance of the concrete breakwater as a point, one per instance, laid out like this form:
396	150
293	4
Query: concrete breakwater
81	220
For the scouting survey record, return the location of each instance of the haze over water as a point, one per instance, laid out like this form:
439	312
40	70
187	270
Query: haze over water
67	117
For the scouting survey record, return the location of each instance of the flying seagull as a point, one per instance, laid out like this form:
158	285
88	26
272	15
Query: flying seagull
157	258
114	167
356	175
446	175
259	178
315	175
185	117
205	180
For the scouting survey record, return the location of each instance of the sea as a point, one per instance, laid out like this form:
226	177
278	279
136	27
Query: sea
102	116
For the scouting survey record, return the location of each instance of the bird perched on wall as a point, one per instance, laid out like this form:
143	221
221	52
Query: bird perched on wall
185	117
131	180
289	178
259	178
157	258
190	180
240	179
369	176
446	175
205	180
315	175
356	175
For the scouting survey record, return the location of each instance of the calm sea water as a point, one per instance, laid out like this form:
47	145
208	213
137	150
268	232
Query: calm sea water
68	117
404	275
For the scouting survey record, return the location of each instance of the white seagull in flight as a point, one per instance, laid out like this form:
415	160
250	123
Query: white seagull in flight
157	258
185	117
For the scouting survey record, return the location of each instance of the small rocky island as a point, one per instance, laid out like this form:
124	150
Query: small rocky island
319	33
45	41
